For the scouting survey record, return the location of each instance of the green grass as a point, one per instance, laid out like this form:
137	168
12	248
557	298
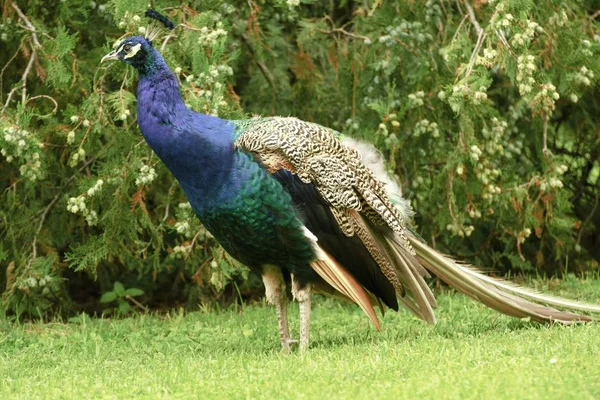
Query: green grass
234	354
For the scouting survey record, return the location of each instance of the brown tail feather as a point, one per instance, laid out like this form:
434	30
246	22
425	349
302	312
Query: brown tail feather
415	295
416	286
335	275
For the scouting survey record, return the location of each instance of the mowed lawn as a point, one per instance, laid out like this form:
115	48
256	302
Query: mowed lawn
472	353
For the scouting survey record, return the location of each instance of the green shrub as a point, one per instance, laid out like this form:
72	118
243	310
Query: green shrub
486	111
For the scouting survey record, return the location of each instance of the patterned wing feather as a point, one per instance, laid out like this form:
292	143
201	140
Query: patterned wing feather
317	156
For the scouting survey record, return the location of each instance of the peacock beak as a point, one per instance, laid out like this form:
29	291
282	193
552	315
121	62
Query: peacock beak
113	55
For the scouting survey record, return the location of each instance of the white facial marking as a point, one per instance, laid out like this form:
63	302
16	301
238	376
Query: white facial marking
133	51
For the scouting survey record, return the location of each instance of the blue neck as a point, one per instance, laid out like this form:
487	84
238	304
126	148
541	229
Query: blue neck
197	148
159	103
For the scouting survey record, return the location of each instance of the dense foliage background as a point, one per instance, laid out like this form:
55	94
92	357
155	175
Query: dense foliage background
486	110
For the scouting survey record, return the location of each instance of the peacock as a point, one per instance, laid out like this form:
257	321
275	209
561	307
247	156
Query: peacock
294	199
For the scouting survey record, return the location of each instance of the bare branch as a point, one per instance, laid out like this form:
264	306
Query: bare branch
193	243
41	224
28	23
344	32
406	46
545	150
261	65
166	213
36	44
50	205
137	303
43	96
476	50
458	29
9	98
24	78
23	84
164	44
7	64
376	4
191	28
594	15
480	37
471	14
589	218
504	42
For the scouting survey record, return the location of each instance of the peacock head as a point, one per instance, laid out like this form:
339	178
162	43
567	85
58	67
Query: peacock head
135	51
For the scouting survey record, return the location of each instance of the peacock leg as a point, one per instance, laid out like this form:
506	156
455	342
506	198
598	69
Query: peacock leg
275	294
303	296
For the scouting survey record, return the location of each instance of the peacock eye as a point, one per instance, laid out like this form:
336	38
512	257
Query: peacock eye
127	48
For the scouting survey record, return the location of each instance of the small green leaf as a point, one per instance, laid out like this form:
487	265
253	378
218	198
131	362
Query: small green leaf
134	292
124	307
119	289
108	297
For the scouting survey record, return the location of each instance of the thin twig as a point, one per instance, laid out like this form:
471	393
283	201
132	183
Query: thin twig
533	181
480	38
342	31
137	303
36	44
588	219
458	29
261	65
50	205
504	42
478	45
121	98
23	84
41	224
460	10
594	15
164	44
43	96
545	137
87	132
472	17
7	64
98	88
9	98
376	4
30	26
191	28
406	46
451	202
193	243
166	213
24	78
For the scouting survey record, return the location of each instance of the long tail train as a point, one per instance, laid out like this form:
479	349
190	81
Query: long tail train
409	270
412	269
498	294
